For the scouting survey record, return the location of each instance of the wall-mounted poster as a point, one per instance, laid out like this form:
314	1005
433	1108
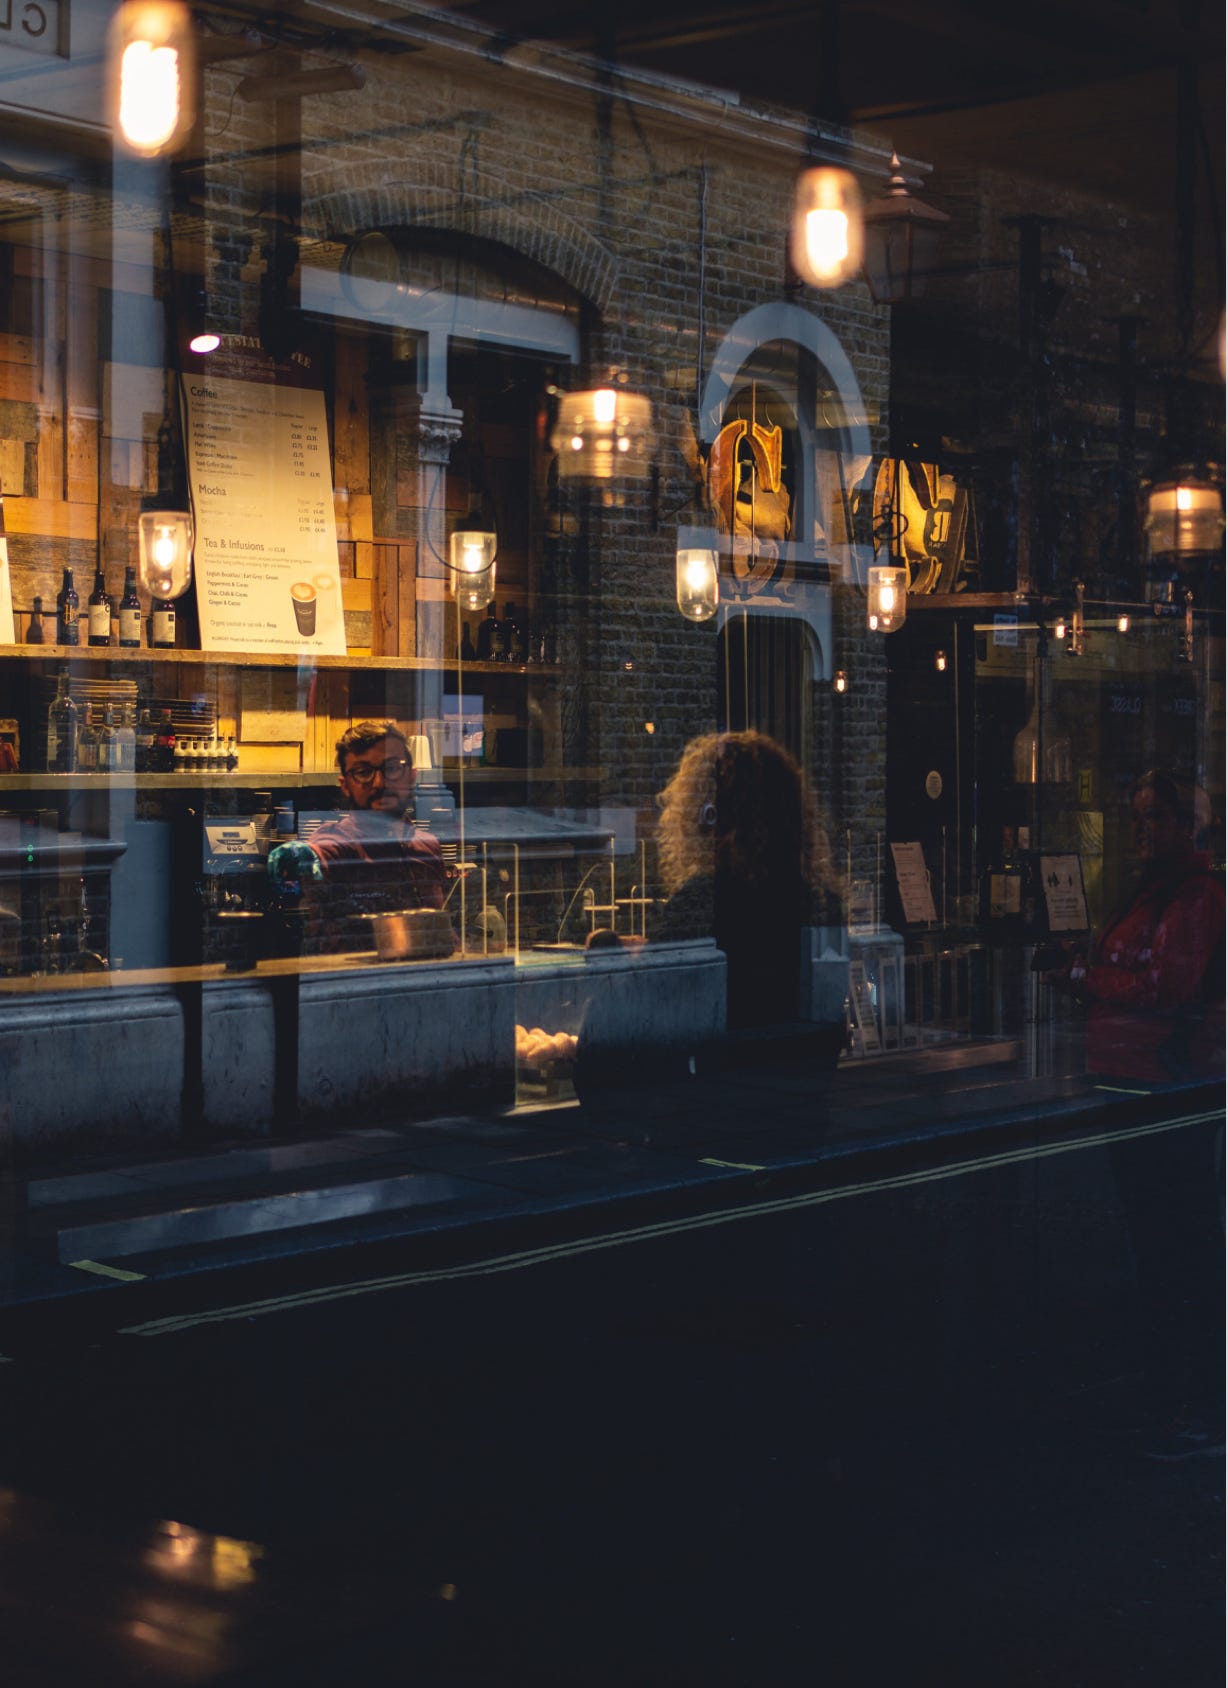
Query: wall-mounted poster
262	495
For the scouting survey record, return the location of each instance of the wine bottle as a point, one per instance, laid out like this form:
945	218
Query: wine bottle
498	638
62	729
34	632
162	624
146	738
467	651
67	612
513	635
99	611
164	745
130	611
486	634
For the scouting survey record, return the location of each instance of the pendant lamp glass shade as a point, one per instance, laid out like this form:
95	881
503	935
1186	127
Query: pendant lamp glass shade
472	554
886	599
697	574
1184	515
828	227
165	540
602	434
152	72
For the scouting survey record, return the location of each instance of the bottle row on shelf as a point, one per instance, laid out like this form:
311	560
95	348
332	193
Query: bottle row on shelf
508	638
102	612
116	738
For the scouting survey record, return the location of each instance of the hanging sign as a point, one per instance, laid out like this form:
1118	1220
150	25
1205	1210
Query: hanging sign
262	497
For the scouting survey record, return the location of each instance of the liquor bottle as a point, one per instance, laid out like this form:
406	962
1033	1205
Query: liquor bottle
62	729
108	743
487	628
34	632
100	611
130	611
164	747
67	611
87	743
232	755
125	740
146	739
467	651
179	754
513	635
162	624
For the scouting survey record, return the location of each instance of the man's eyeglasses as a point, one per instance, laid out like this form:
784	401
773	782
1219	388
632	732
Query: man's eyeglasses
392	768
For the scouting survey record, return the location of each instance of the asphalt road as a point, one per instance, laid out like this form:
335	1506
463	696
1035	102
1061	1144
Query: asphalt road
890	1431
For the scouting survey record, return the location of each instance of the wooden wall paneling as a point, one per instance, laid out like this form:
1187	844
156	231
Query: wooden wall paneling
351	432
407	608
377	564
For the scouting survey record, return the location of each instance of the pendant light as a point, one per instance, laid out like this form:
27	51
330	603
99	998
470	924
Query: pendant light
471	551
152	75
886	598
603	433
697	579
828	236
164	527
1185	515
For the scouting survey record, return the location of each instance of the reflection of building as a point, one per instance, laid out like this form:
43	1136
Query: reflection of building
434	237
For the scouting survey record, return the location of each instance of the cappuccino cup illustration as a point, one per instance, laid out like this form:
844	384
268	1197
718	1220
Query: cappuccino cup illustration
303	597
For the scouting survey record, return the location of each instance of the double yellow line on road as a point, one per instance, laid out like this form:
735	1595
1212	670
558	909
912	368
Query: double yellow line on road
496	1265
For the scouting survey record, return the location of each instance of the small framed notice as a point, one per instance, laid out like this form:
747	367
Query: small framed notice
912	878
1065	904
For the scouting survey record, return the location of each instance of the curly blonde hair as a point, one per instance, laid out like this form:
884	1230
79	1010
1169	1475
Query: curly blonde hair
738	808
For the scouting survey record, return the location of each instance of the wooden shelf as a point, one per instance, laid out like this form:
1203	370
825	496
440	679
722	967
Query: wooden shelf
257	779
145	657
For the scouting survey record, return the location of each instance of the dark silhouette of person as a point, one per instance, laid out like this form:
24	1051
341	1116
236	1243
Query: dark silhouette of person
745	859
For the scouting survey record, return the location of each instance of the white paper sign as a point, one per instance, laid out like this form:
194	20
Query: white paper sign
8	634
266	540
913	879
1062	878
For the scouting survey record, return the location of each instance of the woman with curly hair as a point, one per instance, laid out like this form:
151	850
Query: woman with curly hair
745	858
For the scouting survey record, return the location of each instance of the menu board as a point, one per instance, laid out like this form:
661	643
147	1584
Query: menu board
262	497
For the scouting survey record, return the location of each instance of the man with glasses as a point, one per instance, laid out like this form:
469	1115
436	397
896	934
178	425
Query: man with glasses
372	859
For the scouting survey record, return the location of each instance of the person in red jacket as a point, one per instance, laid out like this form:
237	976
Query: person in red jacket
1154	984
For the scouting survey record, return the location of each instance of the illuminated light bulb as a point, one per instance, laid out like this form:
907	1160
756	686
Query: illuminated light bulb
886	598
603	434
472	556
697	574
1123	623
940	662
1184	516
204	343
151	49
828	227
840	683
1059	627
164	540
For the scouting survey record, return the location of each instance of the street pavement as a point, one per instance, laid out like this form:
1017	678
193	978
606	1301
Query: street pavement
889	1426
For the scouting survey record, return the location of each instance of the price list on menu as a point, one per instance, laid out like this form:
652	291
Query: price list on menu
262	495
